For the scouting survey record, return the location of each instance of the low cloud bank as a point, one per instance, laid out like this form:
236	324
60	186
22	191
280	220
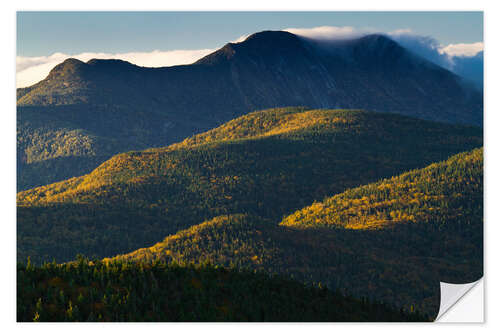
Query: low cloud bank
463	59
30	70
328	32
463	50
425	46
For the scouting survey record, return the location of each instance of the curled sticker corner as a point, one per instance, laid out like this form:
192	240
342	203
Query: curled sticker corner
451	293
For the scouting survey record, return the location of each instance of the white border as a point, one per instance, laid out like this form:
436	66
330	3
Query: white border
492	165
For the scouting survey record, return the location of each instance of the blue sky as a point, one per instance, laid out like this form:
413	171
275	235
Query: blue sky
44	33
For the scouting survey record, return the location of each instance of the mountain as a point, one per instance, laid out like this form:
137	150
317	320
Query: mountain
268	163
83	113
393	240
471	68
93	291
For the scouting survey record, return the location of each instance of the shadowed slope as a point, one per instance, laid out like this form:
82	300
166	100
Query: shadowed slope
117	292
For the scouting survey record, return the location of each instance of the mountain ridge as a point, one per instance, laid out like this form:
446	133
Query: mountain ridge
433	233
112	99
267	163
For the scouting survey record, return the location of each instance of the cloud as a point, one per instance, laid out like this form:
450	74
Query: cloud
327	32
430	48
398	32
30	70
462	49
465	60
240	39
425	46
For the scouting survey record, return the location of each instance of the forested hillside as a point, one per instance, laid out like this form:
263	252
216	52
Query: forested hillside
392	240
84	112
268	164
50	149
441	194
93	291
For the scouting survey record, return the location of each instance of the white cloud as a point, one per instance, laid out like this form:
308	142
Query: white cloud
398	32
424	46
334	32
240	39
327	32
462	49
30	70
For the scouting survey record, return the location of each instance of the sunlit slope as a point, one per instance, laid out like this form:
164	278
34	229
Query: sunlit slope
318	127
275	162
400	260
271	122
445	192
239	239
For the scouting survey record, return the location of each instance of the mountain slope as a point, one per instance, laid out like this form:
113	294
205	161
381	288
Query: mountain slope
431	231
92	291
113	100
438	194
274	162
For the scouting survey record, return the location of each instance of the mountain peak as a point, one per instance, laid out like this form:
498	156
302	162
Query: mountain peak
67	68
109	63
380	50
377	38
271	35
69	64
256	44
72	62
271	39
378	42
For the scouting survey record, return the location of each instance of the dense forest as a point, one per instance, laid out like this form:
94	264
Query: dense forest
123	291
444	193
268	164
395	241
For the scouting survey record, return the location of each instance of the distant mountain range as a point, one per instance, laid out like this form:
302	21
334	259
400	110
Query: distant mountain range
83	113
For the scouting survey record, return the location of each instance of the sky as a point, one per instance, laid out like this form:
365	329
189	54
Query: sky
156	39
